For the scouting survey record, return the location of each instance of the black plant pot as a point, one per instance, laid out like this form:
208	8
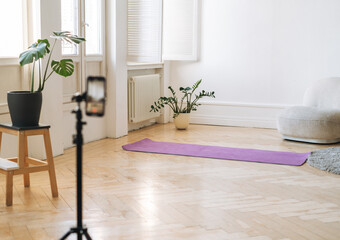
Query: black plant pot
24	108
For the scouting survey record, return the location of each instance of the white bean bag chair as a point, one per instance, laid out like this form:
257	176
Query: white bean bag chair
318	120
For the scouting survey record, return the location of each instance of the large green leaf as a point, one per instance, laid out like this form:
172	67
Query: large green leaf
34	52
63	67
68	37
47	44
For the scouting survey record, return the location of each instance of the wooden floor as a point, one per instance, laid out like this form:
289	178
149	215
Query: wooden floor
130	195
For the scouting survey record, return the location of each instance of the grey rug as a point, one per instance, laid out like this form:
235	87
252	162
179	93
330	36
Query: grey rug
326	159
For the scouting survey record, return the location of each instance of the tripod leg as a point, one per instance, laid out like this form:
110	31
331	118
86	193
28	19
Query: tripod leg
87	236
66	235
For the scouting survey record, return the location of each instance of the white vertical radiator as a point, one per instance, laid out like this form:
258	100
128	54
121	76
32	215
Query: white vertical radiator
143	92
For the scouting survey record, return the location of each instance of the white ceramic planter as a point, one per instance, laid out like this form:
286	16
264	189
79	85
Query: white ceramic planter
182	121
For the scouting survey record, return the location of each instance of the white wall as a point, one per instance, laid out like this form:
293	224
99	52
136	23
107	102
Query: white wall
259	56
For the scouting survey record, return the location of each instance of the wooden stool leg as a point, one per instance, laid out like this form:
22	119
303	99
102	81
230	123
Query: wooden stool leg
49	157
26	175
0	139
21	154
9	188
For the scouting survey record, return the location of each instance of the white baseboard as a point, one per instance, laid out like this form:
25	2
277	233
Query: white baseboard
136	126
237	114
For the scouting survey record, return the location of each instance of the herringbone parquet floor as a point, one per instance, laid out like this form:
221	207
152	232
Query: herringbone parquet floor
130	195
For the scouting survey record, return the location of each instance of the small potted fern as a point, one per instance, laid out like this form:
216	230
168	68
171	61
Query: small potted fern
183	107
25	106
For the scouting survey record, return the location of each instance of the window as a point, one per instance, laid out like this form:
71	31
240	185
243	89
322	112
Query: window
162	29
11	25
180	29
69	22
144	30
93	30
88	58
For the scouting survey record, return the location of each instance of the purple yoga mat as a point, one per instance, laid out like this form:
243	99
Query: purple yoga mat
194	150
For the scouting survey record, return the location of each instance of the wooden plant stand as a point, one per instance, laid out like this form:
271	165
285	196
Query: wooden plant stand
24	164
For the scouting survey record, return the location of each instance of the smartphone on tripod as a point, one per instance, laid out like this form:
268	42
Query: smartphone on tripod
95	96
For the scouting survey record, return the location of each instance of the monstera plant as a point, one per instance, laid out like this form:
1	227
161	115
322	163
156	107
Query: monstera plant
25	106
38	50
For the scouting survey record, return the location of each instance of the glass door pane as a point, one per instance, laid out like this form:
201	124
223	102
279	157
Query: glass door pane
93	30
69	22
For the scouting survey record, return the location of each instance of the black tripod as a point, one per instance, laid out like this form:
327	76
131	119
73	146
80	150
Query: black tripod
78	140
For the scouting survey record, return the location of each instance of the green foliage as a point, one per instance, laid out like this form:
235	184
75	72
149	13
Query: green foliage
68	37
187	102
40	49
64	68
35	51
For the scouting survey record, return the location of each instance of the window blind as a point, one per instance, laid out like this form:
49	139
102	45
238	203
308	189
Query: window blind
144	30
180	21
